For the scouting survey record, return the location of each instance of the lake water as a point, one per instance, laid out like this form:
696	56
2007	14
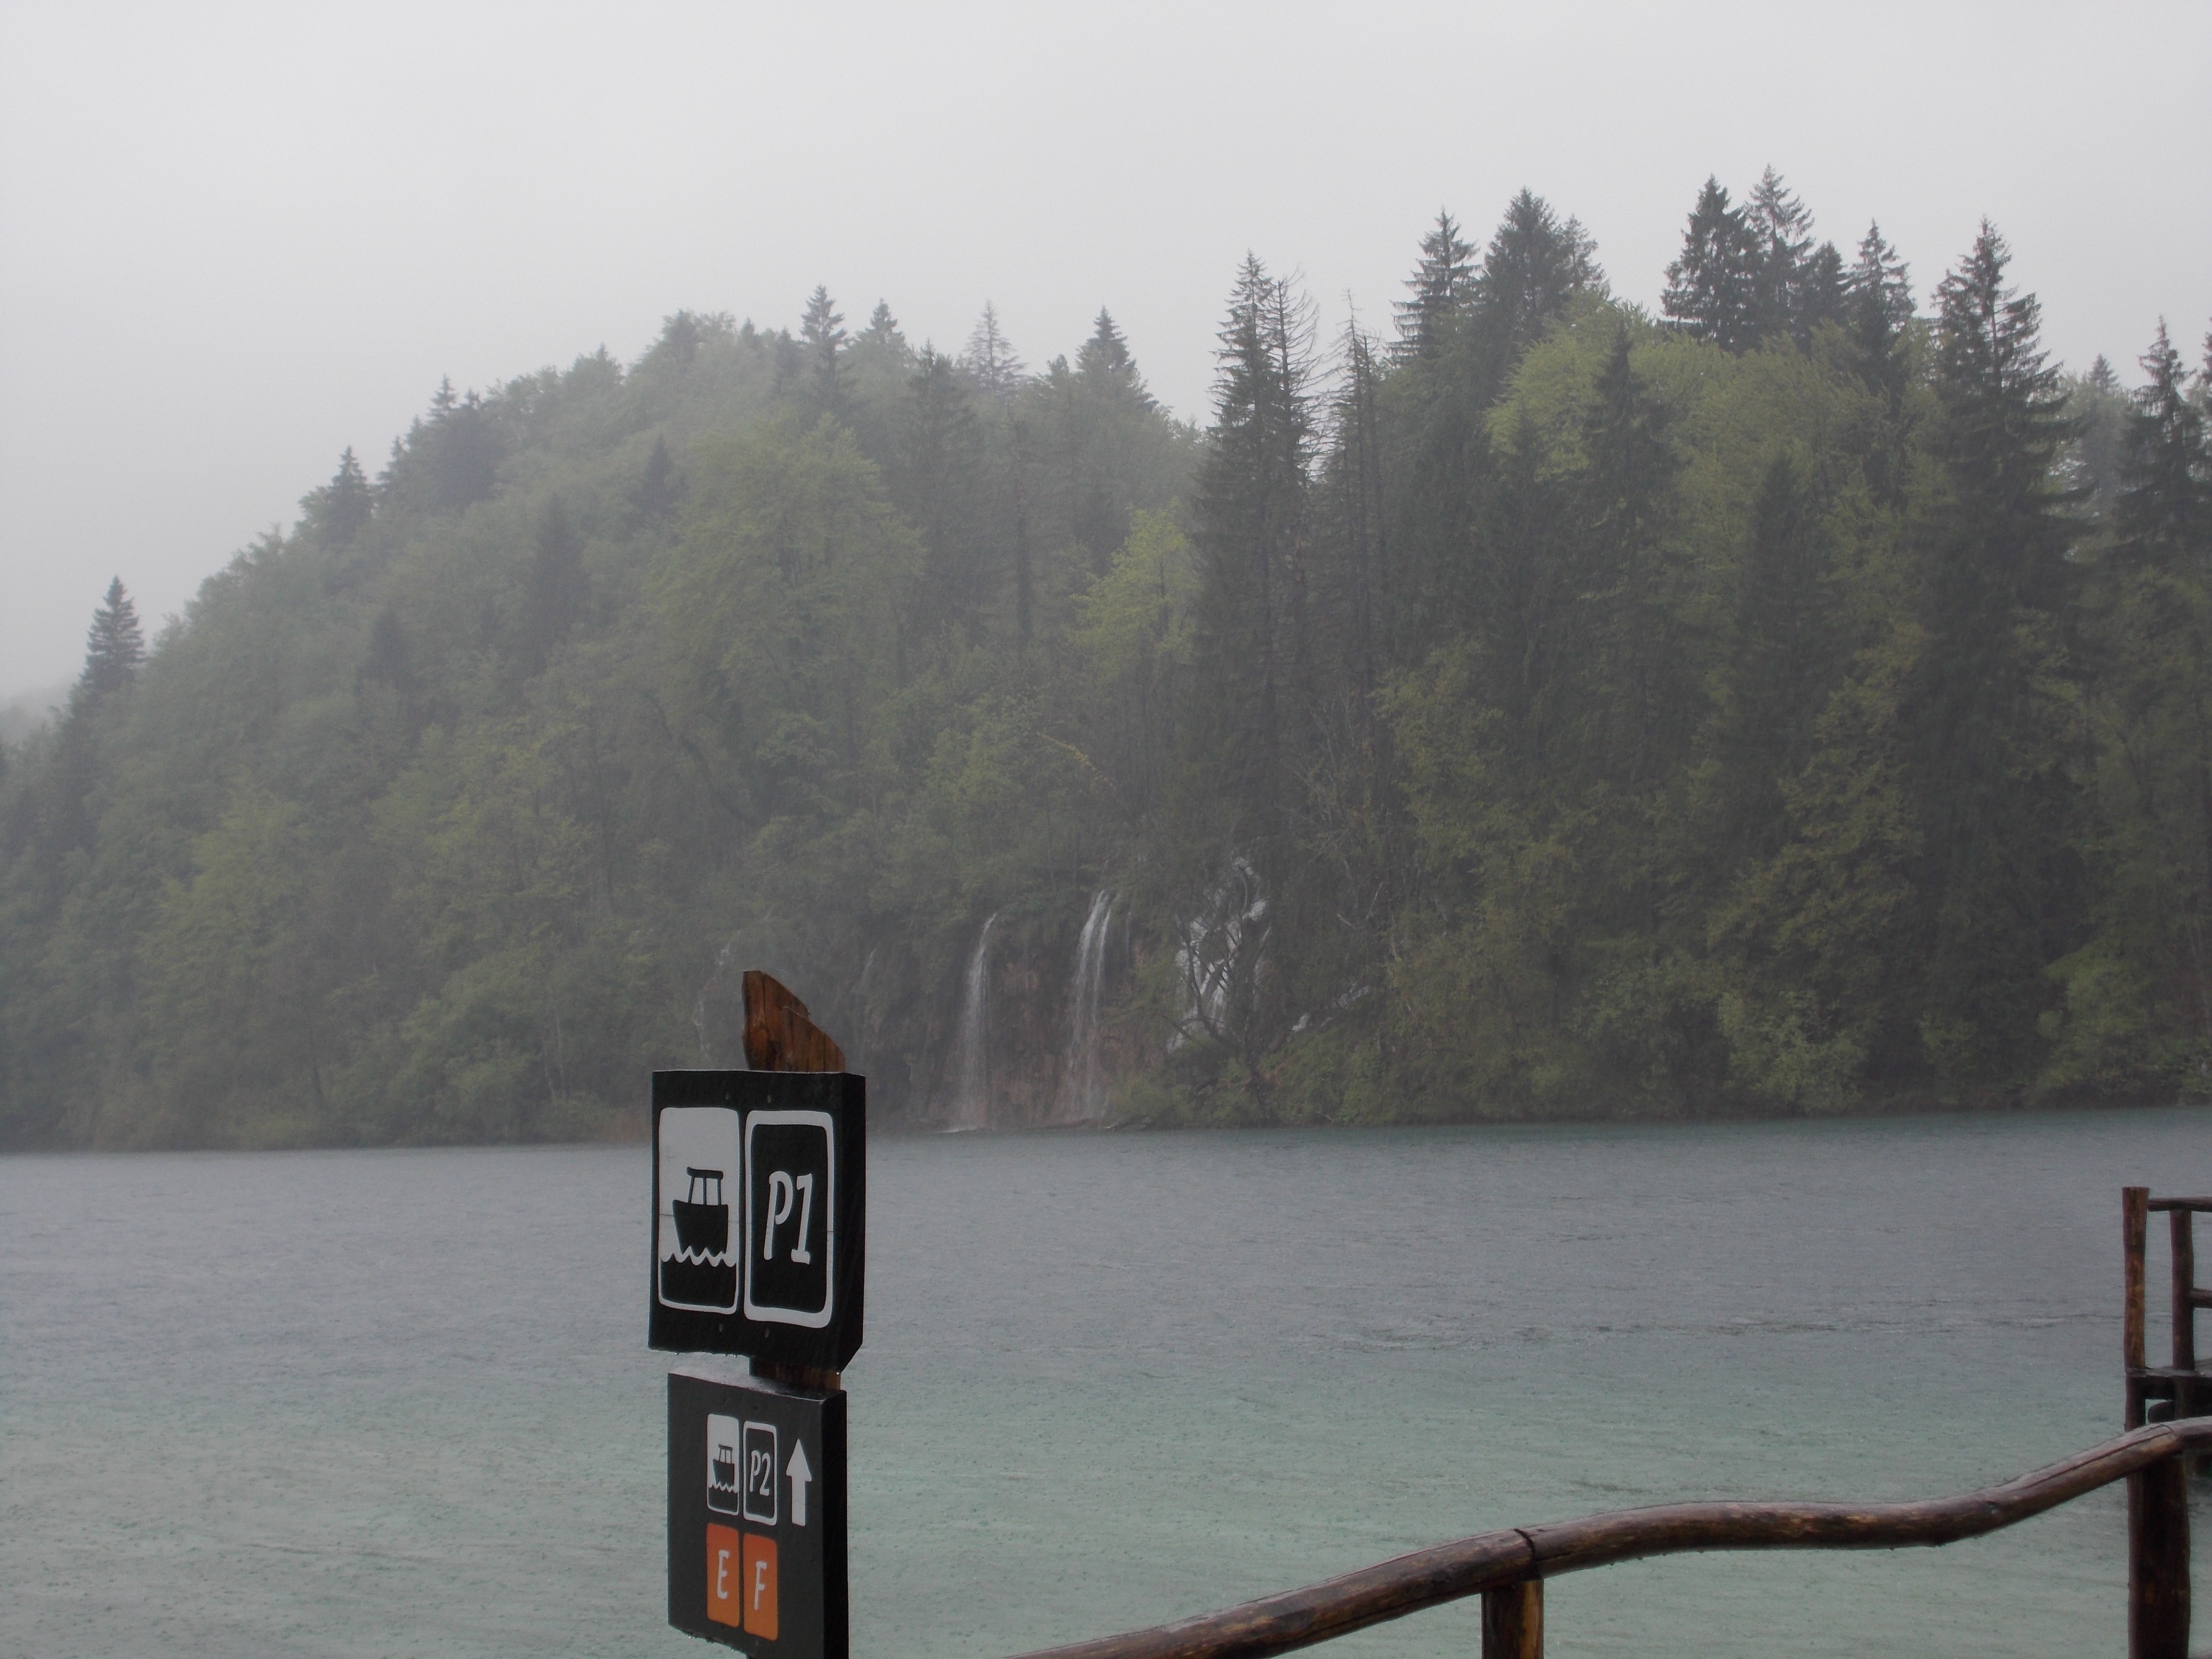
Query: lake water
400	1403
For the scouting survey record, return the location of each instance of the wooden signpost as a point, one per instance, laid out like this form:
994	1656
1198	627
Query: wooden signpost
759	1235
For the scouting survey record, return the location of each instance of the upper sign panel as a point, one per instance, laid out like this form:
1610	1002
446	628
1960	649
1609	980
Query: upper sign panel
759	1203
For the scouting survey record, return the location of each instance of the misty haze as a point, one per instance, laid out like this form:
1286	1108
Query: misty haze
1486	863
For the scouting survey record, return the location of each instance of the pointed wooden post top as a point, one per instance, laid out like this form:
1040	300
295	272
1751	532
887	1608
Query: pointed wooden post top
780	1035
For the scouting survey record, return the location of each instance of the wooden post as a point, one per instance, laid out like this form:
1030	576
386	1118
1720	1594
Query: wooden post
2184	1235
780	1035
2135	1223
1513	1621
2158	1562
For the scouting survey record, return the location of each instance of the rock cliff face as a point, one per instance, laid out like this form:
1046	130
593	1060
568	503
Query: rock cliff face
1014	1041
1038	1049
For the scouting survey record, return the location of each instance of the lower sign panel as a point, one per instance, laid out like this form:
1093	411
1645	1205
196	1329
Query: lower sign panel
757	1516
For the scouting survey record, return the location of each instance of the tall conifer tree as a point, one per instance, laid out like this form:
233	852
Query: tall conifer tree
1998	800
1712	286
114	645
1441	285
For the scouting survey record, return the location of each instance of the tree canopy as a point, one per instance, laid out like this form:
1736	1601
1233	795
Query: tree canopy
1784	703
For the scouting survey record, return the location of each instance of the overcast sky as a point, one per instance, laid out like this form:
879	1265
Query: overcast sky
235	239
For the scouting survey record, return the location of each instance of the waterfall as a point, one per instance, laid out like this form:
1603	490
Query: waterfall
971	1079
1081	1096
702	1006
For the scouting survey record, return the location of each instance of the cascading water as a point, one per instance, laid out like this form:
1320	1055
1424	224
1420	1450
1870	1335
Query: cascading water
702	1004
971	1081
1082	1094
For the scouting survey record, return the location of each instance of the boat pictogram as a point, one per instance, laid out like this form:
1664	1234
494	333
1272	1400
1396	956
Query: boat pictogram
702	1218
699	1273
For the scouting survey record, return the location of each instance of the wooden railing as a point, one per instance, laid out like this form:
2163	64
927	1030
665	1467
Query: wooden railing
2181	1383
1508	1569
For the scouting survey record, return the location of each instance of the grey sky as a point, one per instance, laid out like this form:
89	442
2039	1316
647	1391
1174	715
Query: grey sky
234	239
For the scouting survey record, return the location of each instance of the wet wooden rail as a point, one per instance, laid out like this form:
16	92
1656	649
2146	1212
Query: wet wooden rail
1508	1569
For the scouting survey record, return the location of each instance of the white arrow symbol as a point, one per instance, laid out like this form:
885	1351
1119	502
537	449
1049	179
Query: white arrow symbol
801	1475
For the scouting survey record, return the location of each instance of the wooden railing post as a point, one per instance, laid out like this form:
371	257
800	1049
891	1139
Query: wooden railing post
2184	1234
1513	1621
2158	1561
2135	1223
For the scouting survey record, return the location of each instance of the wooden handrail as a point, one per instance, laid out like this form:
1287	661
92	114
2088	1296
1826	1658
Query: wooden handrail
1516	1561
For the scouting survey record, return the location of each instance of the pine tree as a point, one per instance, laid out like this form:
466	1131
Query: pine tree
1781	227
1532	267
1878	309
2164	514
2099	407
385	660
657	491
822	336
341	509
1360	590
1250	503
1712	286
990	360
1441	284
1998	799
556	591
1637	705
1106	364
882	332
1823	293
114	645
943	492
450	460
1783	660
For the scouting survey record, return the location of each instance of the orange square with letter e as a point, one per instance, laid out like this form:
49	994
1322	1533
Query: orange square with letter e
725	1576
760	1587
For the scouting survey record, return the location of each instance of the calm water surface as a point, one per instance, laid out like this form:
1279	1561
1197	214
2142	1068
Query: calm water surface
400	1403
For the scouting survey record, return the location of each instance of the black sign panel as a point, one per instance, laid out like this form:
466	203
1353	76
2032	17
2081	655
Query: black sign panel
757	1516
759	1213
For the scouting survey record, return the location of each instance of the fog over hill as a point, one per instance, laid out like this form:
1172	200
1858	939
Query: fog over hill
242	237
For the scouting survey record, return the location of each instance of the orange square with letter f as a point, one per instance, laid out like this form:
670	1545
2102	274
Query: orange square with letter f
759	1588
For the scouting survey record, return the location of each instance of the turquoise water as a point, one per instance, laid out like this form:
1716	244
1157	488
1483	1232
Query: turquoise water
399	1403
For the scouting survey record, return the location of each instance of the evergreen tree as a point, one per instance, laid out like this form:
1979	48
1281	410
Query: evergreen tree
1712	286
2164	515
2099	407
1781	227
822	336
1254	691
341	509
1105	363
1250	504
1784	652
1441	284
883	334
1878	309
556	591
991	360
1534	266
659	488
114	645
1637	705
1823	293
449	459
385	660
942	485
1998	799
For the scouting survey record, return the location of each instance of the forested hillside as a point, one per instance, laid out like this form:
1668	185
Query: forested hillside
1799	700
